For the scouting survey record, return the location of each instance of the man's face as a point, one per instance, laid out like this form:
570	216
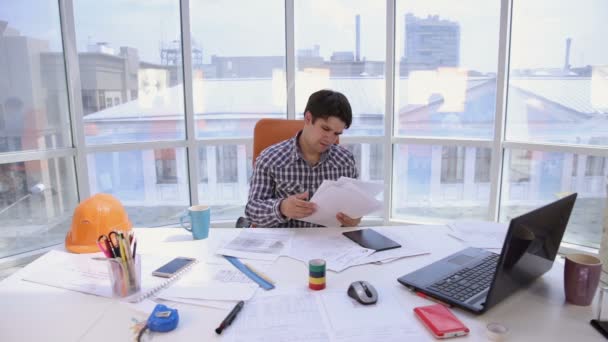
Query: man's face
323	133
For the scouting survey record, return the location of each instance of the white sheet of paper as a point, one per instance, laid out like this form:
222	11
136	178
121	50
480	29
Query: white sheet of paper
371	188
285	318
218	304
343	197
258	244
338	251
211	282
353	322
408	248
479	234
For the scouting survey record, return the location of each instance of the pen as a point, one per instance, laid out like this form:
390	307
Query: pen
422	295
260	274
231	316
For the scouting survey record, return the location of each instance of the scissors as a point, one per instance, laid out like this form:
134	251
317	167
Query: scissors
104	244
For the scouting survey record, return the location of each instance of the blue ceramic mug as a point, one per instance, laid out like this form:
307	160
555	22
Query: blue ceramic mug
200	220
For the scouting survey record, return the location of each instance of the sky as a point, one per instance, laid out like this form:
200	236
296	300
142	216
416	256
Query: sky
256	28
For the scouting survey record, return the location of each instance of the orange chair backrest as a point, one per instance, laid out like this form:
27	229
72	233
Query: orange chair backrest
268	132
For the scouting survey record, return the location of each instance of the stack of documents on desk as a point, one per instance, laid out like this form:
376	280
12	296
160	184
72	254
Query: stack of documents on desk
338	251
210	285
323	316
479	234
409	247
350	196
258	244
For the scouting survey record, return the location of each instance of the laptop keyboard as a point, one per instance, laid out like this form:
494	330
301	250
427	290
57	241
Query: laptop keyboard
468	282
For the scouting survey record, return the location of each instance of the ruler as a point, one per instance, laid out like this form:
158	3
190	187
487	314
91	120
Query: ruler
249	273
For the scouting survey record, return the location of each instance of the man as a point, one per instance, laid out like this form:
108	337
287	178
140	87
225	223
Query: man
288	173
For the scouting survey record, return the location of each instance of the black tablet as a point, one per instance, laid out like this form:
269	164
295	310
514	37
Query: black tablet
371	239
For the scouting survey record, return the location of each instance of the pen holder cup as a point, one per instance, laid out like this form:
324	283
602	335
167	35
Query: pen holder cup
125	277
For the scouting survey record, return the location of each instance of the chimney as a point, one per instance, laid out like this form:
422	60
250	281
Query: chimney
567	61
358	38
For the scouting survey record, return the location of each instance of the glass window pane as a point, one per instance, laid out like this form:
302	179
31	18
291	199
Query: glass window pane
33	100
446	68
238	65
224	175
537	178
370	161
341	45
130	70
37	199
151	184
370	164
440	182
558	77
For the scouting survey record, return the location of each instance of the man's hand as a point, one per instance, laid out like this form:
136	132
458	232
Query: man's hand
297	206
348	221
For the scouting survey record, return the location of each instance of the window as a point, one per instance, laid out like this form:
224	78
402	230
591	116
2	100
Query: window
226	162
557	75
483	159
445	80
595	166
137	106
37	192
238	75
224	175
452	164
153	188
117	57
432	181
166	166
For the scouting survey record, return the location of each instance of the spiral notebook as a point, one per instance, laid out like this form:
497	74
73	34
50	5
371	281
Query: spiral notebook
81	273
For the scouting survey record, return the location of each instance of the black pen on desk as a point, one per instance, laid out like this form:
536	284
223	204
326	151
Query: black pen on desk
231	316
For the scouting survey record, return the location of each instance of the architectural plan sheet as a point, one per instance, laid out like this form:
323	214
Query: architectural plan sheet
352	197
301	315
258	244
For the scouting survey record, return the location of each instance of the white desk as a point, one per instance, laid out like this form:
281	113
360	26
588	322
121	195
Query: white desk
32	312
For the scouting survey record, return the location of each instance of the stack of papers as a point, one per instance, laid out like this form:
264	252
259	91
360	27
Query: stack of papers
338	251
323	316
479	234
258	244
350	196
209	285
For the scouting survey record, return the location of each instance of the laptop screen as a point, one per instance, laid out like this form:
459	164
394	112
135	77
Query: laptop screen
530	247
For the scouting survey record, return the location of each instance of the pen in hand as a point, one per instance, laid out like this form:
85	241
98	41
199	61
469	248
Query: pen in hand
231	316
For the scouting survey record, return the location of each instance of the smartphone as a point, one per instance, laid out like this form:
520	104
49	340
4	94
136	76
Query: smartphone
369	238
173	267
440	321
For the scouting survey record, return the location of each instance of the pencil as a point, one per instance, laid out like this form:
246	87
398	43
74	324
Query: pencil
260	274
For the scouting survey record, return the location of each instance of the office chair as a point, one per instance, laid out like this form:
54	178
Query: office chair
268	132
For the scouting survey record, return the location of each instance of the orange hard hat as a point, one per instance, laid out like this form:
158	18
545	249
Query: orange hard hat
97	215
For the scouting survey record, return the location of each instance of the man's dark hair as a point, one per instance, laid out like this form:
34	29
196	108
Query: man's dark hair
325	103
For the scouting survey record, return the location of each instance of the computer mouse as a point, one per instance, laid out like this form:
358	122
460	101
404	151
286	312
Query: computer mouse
363	292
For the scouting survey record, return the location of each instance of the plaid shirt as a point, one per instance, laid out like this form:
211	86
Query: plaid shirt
281	171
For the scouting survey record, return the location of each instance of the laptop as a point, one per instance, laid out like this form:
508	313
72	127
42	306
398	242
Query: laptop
476	279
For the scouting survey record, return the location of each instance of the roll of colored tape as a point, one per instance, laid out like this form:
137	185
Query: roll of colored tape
316	265
316	281
316	274
316	287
